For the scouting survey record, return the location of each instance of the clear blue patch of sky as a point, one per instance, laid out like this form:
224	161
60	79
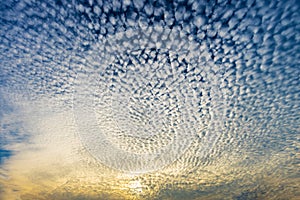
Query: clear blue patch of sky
4	154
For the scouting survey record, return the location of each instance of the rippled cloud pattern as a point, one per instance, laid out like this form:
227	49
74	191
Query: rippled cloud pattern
149	99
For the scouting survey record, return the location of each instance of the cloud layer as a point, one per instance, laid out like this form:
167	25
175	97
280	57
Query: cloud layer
220	80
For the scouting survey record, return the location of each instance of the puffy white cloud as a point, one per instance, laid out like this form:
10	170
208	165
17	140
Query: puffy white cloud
221	76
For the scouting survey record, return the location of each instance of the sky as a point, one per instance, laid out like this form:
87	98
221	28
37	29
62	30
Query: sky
149	99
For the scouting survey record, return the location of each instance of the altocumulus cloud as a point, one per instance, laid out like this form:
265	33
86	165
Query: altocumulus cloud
203	97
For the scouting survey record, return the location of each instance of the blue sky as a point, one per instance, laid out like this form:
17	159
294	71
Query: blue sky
174	99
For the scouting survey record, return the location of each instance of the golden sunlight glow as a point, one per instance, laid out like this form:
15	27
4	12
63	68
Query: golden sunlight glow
146	100
136	186
56	166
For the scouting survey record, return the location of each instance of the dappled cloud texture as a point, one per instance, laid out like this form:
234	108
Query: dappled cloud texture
149	99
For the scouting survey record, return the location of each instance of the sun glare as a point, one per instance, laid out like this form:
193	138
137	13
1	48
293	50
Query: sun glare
136	186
